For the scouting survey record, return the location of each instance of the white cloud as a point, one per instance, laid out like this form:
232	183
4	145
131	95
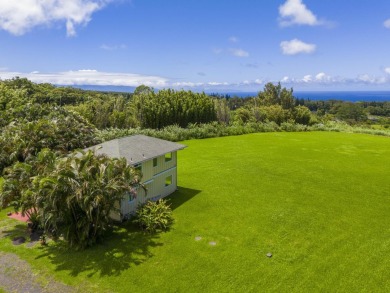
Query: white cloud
365	78
387	70
323	77
239	52
295	12
70	29
90	77
307	78
259	81
319	80
387	23
187	84
372	80
214	83
296	46
94	77
327	80
233	39
20	16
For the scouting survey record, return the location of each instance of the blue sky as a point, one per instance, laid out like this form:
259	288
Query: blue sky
229	45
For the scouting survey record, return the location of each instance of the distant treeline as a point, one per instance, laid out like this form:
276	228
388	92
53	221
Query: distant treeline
146	108
351	112
36	116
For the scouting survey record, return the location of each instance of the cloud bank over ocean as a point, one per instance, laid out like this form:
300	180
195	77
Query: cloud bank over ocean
98	78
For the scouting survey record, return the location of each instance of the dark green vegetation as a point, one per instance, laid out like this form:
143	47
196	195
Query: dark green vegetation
37	116
68	198
319	202
32	118
154	216
368	114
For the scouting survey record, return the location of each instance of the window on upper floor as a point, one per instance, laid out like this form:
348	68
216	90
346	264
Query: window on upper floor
168	157
138	167
155	162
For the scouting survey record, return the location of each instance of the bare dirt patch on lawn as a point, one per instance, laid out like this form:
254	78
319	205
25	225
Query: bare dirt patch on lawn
16	276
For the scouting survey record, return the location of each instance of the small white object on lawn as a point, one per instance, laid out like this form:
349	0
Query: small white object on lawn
213	243
269	254
197	238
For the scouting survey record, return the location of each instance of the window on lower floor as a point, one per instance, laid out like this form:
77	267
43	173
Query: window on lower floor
133	193
168	180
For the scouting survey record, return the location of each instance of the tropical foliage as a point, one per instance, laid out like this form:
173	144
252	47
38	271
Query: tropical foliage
61	131
168	107
16	190
154	216
75	200
71	197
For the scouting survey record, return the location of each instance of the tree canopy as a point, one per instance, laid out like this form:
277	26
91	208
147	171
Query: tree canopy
70	196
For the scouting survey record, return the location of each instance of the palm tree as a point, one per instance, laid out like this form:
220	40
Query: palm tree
16	189
76	199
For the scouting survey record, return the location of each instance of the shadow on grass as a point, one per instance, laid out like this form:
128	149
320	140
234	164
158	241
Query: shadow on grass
126	246
121	249
181	196
14	230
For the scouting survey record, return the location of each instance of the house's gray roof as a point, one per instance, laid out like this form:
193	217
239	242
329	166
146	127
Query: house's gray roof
136	148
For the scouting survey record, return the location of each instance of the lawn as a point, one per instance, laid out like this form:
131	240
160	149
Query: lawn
319	202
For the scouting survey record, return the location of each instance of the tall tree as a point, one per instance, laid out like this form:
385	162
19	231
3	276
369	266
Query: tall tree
75	199
352	112
169	107
16	186
276	95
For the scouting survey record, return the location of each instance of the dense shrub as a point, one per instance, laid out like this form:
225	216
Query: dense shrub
277	114
242	116
154	216
349	112
199	131
70	197
292	127
60	130
340	126
302	115
169	107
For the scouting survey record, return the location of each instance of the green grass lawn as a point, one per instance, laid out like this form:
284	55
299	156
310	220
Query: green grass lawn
319	202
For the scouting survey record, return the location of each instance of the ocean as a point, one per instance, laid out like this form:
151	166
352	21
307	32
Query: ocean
355	96
351	96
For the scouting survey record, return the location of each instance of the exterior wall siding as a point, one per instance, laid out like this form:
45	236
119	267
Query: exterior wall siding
147	170
155	180
162	165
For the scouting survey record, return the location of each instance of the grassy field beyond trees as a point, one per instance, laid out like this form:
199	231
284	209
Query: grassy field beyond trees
318	201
